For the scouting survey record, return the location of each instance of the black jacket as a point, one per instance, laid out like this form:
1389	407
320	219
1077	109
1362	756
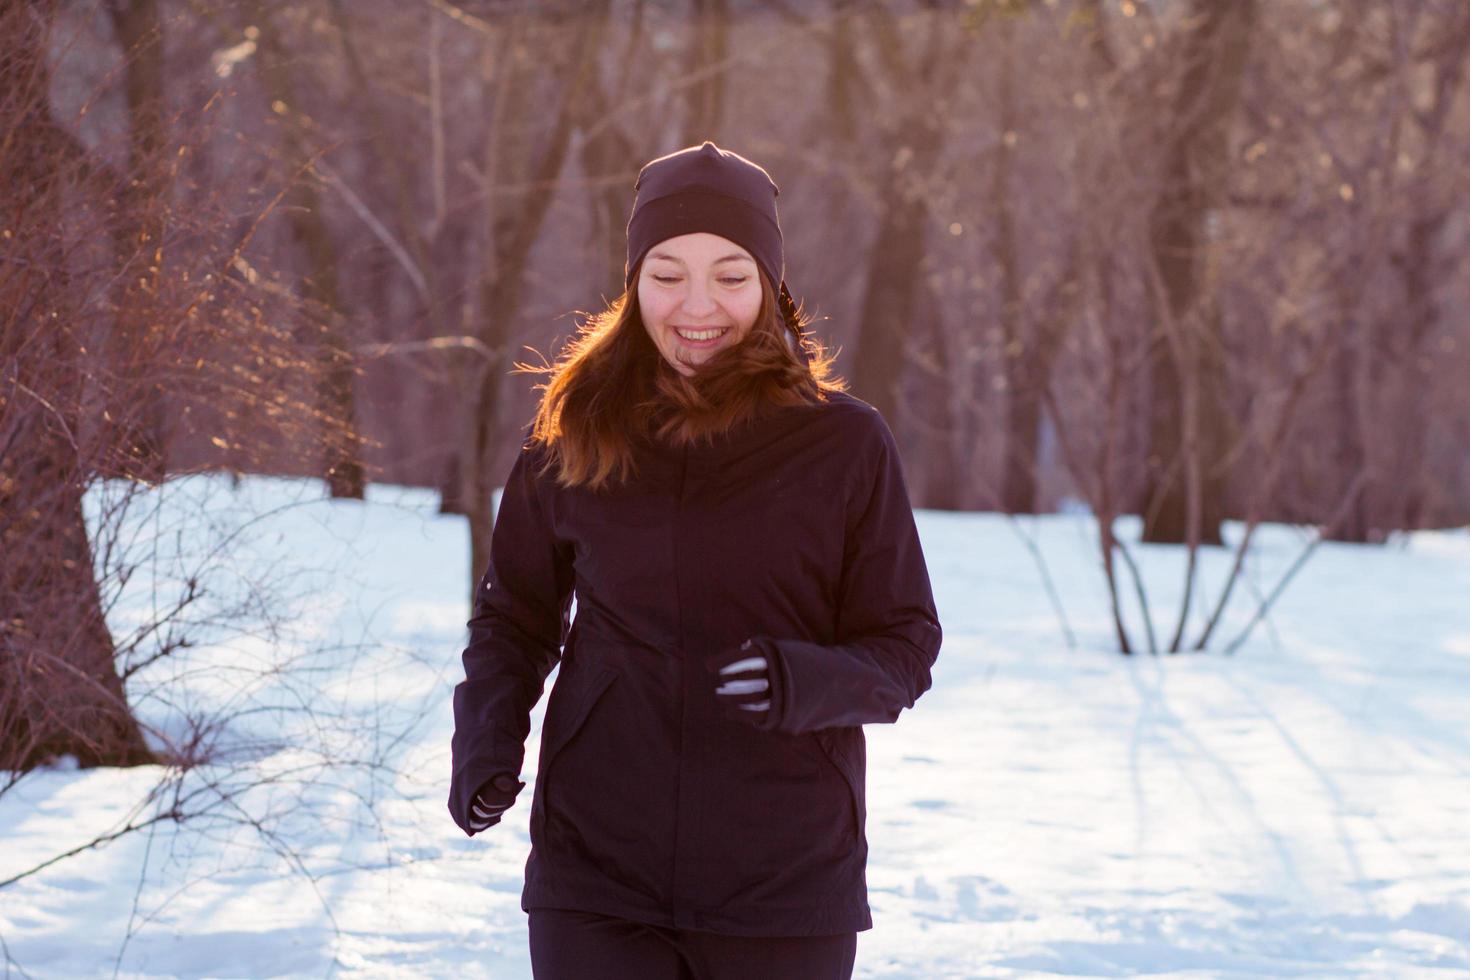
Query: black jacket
651	803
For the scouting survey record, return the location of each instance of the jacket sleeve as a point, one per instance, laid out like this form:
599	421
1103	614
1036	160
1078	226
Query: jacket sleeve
518	626
888	632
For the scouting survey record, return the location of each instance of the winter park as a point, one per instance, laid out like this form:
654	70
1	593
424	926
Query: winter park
734	488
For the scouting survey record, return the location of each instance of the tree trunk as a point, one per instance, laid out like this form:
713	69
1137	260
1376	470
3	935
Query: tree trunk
138	427
885	325
512	227
342	444
1023	397
1420	315
925	74
608	151
940	484
896	257
1213	50
60	693
1349	457
710	46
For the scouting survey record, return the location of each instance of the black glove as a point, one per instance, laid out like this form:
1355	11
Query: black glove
493	799
746	683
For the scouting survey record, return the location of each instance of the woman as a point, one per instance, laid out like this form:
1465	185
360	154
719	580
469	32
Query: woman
750	592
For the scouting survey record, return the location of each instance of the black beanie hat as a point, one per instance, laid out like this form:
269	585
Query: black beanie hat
705	188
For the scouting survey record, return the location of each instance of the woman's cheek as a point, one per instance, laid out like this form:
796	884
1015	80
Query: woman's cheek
750	309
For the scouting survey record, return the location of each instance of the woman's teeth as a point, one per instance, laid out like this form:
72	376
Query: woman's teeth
700	334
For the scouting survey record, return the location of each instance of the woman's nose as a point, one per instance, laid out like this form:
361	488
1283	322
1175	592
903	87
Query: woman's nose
697	300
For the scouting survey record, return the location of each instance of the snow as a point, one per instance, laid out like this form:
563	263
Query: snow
1049	808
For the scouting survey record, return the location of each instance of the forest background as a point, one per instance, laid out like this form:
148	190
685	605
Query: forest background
1188	260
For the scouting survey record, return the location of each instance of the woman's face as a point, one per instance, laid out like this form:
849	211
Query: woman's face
697	293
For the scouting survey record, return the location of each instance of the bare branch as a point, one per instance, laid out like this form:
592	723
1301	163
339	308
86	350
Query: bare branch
377	227
474	344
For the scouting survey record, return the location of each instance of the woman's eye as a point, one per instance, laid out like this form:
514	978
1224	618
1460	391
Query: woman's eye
733	280
666	280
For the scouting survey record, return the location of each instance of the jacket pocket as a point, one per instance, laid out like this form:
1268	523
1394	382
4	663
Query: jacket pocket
844	748
565	717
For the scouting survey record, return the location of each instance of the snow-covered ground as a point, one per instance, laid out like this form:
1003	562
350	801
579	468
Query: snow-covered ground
1298	808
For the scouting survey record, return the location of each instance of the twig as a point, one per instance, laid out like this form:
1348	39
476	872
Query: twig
377	227
1106	544
461	16
60	418
1046	579
98	841
436	127
475	344
1275	459
1337	517
1148	619
137	897
1186	362
10	961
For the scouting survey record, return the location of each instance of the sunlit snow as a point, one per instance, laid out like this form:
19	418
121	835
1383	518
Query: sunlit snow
1297	808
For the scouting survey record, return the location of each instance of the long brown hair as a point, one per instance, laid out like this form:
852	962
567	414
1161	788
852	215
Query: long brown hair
610	387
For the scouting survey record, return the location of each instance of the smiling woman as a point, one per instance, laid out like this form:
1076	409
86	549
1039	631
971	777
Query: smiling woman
750	592
705	340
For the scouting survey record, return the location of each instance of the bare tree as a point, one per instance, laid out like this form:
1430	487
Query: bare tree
67	376
59	691
518	155
710	37
920	73
1187	428
342	464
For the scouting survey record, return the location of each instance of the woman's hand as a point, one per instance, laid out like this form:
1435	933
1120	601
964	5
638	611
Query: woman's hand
744	679
492	800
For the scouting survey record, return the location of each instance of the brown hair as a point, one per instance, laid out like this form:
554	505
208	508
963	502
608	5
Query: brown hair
610	386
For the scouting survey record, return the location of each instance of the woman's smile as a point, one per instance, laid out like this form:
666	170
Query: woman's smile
706	337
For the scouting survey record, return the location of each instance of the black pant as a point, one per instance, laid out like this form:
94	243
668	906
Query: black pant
568	945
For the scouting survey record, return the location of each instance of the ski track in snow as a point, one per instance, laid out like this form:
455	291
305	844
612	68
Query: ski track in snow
1296	809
